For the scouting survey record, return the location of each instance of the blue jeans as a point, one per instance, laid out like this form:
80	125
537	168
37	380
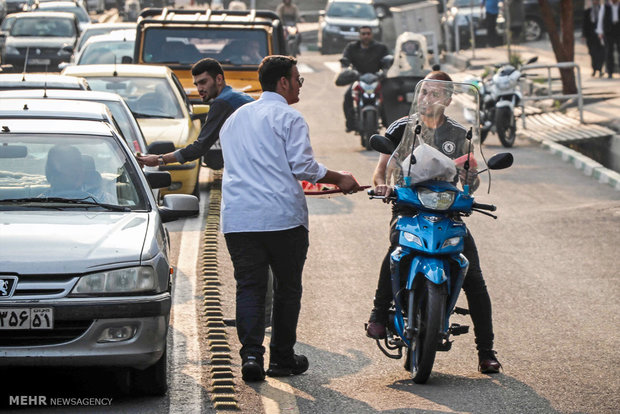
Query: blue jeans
252	253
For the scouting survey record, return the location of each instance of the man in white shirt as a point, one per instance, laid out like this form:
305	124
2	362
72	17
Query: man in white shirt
266	148
608	29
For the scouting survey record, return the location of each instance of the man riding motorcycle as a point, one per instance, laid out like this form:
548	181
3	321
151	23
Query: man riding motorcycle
365	57
449	136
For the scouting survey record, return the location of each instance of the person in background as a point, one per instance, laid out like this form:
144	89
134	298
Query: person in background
448	135
365	56
265	216
608	30
288	13
491	8
596	49
208	77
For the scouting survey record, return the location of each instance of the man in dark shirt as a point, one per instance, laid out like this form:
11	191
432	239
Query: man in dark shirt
448	136
365	57
209	79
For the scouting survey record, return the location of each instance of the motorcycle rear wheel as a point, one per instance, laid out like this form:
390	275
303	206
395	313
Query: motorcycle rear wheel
428	320
506	125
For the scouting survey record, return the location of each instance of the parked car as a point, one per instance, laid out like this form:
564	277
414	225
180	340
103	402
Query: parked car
339	23
23	81
114	47
457	18
382	7
15	6
45	39
3	9
157	100
99	29
534	27
85	266
67	7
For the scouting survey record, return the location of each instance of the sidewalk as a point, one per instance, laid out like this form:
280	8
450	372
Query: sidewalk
601	96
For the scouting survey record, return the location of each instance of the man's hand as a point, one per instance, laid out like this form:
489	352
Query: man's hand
348	184
149	159
383	190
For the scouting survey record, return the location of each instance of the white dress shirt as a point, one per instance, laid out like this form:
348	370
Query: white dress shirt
601	14
266	148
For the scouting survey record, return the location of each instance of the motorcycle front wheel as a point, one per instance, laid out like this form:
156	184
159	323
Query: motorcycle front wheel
506	125
428	319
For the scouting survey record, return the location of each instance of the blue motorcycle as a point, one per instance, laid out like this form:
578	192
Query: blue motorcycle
439	150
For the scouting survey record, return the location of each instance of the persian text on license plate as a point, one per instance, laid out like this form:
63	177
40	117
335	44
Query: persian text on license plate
26	318
39	61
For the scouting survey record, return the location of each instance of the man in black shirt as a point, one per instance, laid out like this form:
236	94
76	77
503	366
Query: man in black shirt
365	57
448	136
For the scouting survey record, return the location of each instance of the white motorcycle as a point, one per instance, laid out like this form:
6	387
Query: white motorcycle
499	97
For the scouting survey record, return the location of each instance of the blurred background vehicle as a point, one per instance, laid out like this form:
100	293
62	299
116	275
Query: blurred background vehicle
65	6
114	47
157	100
99	29
9	81
40	41
339	23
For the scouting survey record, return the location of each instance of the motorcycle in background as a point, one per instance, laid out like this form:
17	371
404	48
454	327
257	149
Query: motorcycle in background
292	37
499	96
367	97
428	266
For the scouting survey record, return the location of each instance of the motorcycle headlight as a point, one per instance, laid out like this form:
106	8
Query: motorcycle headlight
331	28
452	241
130	280
436	201
410	237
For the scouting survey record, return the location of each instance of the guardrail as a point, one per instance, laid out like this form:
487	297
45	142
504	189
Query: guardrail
550	94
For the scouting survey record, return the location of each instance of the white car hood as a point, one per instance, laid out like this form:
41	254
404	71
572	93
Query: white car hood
174	130
351	21
70	241
38	42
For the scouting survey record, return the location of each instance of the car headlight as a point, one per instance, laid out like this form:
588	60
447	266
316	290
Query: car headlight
11	50
410	237
436	201
130	280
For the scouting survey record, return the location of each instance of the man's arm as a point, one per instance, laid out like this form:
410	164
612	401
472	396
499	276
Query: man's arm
209	133
345	181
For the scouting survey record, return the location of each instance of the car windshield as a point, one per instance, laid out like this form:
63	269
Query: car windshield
352	10
43	27
146	97
79	12
187	46
125	124
67	171
106	52
95	31
466	3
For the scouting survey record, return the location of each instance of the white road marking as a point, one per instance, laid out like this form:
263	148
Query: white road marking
333	66
303	68
282	400
185	391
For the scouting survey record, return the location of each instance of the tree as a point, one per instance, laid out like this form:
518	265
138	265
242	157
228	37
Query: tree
562	40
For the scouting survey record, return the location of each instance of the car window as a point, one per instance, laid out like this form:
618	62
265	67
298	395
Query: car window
73	167
121	116
150	97
79	12
228	46
88	33
465	3
105	52
43	27
355	10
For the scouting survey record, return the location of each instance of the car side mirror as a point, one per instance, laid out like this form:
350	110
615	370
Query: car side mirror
158	179
175	206
161	147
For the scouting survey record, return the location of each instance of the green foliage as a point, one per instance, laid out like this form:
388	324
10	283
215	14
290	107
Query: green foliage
516	60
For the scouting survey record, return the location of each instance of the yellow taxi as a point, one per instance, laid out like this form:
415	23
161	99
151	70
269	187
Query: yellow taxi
159	103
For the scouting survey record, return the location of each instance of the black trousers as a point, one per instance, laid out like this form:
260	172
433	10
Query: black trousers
474	287
252	253
490	22
596	51
347	107
612	44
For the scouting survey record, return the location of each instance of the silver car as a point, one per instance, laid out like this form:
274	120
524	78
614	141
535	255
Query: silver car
84	267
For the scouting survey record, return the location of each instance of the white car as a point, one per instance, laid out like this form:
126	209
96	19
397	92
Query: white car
85	269
99	29
114	47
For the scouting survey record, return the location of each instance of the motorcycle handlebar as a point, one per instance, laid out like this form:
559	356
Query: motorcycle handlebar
481	206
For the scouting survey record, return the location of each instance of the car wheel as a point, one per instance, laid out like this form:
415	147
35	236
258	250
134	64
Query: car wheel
533	29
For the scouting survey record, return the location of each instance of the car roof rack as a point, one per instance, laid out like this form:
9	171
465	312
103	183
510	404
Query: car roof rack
252	14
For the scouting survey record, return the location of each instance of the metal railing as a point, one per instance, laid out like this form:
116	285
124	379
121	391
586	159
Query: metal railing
550	93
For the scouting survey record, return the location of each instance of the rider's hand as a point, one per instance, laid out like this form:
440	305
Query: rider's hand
383	190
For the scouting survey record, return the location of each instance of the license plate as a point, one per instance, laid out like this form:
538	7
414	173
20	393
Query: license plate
481	32
26	318
409	96
39	61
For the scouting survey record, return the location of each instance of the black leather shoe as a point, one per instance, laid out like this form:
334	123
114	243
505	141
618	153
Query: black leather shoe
297	366
488	363
252	369
375	330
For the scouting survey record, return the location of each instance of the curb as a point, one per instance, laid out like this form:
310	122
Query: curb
587	165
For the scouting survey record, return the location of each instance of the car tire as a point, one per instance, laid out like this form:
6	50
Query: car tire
533	29
152	380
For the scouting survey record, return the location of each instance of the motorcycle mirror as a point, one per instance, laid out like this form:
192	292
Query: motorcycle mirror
345	62
387	61
532	60
381	144
500	161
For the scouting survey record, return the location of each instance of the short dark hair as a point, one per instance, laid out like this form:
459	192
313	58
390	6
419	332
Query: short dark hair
442	76
272	68
211	66
364	27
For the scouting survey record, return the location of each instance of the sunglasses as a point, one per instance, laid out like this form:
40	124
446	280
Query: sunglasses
300	80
